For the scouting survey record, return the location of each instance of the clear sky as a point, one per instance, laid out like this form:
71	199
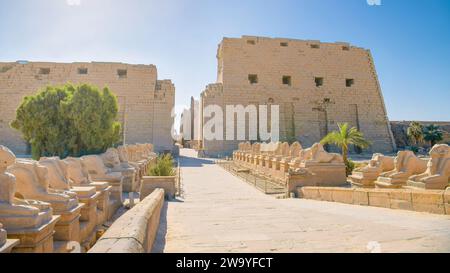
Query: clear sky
409	39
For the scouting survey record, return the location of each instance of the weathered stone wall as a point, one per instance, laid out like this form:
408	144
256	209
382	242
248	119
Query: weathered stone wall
307	112
431	201
135	231
145	103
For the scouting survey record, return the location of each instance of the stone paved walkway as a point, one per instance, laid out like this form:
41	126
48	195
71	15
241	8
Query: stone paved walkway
221	213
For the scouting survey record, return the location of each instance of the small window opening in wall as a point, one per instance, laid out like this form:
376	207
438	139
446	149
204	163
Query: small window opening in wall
346	48
315	46
284	44
319	81
253	78
82	71
349	82
287	80
44	71
326	100
122	73
251	42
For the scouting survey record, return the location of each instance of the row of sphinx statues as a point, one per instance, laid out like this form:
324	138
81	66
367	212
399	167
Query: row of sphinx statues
285	163
47	205
314	166
406	170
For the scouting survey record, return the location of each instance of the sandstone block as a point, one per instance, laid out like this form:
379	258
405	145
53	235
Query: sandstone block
309	193
401	199
326	194
430	201
361	197
379	198
343	195
151	183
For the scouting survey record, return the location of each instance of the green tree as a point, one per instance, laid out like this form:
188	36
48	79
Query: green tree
69	120
344	137
415	132
433	134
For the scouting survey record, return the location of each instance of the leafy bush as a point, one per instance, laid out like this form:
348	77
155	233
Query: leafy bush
163	167
349	166
69	120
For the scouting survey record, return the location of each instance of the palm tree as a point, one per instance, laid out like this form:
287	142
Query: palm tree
344	137
415	132
433	134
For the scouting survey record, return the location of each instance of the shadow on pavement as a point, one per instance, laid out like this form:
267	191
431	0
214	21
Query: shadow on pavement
194	162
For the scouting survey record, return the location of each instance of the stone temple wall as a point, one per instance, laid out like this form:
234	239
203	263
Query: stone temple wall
145	103
317	85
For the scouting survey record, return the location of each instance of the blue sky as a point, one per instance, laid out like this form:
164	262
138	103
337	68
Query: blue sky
409	39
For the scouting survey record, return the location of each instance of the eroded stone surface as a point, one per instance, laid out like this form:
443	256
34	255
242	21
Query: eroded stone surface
437	174
406	164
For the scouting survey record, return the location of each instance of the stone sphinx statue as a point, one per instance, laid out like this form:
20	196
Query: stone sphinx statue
317	168
268	150
79	177
125	156
75	172
18	213
437	175
98	172
135	156
294	152
317	154
33	183
365	177
57	172
111	159
406	164
281	153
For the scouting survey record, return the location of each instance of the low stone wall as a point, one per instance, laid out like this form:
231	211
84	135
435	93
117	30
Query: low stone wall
151	183
135	231
431	201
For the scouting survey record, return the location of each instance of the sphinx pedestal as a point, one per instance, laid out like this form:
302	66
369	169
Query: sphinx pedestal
363	179
317	174
35	240
67	229
6	245
103	189
88	218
